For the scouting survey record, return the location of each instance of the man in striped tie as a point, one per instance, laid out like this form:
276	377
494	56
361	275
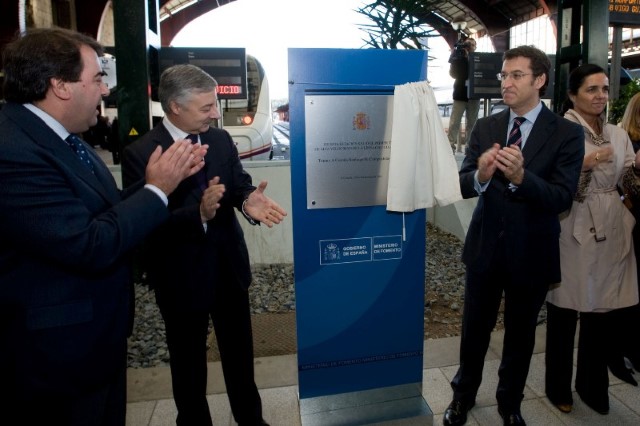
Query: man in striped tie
523	164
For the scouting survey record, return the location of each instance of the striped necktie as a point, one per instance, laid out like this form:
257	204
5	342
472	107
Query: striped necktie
515	137
75	143
201	176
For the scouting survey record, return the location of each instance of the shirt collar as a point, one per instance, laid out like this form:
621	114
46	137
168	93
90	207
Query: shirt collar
175	132
530	116
49	121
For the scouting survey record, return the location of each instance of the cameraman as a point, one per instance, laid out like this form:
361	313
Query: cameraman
459	70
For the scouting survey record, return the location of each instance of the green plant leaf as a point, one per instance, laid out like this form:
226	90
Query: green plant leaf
617	107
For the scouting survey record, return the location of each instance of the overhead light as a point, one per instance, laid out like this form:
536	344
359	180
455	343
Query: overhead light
459	25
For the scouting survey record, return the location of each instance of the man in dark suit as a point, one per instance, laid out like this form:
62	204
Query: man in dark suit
204	237
524	164
67	232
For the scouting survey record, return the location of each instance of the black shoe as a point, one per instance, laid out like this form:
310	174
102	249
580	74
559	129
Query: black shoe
512	418
620	370
601	406
634	359
456	413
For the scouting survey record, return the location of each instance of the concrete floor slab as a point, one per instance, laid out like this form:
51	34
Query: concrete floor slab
280	406
441	352
436	390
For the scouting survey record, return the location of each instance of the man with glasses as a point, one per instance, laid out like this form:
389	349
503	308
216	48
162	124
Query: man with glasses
459	70
524	164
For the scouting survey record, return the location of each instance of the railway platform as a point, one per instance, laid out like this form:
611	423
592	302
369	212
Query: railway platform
151	404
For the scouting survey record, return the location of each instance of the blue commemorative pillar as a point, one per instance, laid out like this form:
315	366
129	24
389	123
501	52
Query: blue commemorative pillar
359	269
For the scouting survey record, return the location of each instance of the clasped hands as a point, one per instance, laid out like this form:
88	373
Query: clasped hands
167	169
508	159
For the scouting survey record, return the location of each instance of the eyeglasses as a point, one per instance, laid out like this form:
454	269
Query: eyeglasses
516	75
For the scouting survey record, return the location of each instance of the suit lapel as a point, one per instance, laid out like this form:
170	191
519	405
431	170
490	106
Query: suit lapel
539	135
103	174
499	128
162	137
210	157
49	140
100	182
540	132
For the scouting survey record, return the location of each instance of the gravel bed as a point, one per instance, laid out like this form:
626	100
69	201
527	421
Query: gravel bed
272	291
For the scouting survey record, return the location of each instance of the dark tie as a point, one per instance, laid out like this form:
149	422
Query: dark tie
515	137
201	176
80	149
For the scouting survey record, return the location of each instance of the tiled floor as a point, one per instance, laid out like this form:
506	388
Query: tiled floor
151	404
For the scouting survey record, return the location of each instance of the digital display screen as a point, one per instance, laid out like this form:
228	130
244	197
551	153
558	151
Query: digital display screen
483	81
227	65
228	89
230	86
624	12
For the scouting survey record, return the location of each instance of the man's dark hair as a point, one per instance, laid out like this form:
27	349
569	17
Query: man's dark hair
540	63
33	58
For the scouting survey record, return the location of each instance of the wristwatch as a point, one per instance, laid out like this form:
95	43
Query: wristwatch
246	215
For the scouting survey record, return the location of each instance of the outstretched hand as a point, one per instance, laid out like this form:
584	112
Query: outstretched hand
262	208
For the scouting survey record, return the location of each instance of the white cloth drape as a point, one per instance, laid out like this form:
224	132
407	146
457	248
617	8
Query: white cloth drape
422	169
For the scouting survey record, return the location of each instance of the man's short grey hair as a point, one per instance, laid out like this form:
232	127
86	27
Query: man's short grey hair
179	82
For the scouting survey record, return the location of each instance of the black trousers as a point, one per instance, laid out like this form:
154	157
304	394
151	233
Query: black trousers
561	331
627	338
187	332
483	294
594	343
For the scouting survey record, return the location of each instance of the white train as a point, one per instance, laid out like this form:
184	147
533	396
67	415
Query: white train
249	121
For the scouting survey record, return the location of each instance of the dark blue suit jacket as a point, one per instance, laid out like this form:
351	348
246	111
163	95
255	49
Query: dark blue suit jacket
528	217
185	263
64	267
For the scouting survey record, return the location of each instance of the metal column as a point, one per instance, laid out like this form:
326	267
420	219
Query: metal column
137	39
583	37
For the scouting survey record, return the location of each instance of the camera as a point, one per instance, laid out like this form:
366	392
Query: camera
460	49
